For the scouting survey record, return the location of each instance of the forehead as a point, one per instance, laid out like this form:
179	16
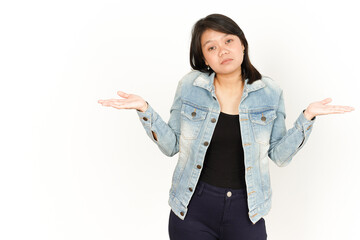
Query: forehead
212	35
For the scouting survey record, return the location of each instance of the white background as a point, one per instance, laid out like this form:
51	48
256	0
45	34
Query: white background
73	169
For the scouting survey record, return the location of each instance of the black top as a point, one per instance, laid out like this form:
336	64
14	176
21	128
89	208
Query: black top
224	160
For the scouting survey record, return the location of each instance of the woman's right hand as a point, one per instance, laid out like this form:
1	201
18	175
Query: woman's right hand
130	101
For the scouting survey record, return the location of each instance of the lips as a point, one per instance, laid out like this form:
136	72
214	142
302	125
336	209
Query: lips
226	60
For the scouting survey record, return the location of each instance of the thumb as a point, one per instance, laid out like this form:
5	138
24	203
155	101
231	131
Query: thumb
326	100
122	94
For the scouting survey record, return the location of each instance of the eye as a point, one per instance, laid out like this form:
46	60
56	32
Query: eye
229	40
211	48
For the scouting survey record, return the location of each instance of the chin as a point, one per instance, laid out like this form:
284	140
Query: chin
227	69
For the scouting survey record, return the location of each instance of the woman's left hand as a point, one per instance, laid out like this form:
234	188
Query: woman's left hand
320	108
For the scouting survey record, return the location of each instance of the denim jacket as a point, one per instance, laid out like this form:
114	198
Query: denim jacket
193	116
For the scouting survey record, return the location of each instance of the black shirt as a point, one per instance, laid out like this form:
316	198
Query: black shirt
224	160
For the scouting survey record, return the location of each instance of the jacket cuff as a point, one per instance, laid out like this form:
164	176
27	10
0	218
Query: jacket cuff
148	116
304	115
303	124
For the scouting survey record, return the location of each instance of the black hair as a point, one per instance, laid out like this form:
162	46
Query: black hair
224	24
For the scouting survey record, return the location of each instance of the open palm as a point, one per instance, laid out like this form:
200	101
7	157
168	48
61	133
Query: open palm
320	108
130	101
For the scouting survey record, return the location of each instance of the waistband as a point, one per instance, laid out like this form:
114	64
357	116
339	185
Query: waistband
218	191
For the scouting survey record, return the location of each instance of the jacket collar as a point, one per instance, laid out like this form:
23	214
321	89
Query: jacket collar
207	82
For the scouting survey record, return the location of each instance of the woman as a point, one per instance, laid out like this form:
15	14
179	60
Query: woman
226	121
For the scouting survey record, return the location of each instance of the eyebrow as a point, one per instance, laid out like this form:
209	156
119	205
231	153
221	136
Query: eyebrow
212	40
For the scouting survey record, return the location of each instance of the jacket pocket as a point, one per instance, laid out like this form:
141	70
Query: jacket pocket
192	119
262	122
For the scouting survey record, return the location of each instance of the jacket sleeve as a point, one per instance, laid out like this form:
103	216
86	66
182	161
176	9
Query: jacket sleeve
284	144
167	134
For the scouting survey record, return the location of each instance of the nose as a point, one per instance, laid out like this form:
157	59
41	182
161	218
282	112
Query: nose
223	51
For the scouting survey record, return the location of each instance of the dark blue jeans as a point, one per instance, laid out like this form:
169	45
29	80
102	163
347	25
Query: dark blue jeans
216	213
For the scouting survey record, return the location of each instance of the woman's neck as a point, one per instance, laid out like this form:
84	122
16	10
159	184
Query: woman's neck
229	83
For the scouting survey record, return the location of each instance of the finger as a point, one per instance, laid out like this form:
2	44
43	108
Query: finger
326	100
122	94
110	100
102	101
341	108
119	100
347	108
338	112
118	105
109	104
114	105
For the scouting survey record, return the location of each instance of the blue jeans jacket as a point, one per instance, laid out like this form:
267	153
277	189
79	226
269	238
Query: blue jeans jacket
193	116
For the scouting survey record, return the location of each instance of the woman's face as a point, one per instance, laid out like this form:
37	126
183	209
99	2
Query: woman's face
222	52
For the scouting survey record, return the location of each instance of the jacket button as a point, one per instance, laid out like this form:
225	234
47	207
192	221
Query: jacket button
145	118
190	189
193	114
206	143
198	166
263	118
213	120
182	213
229	194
